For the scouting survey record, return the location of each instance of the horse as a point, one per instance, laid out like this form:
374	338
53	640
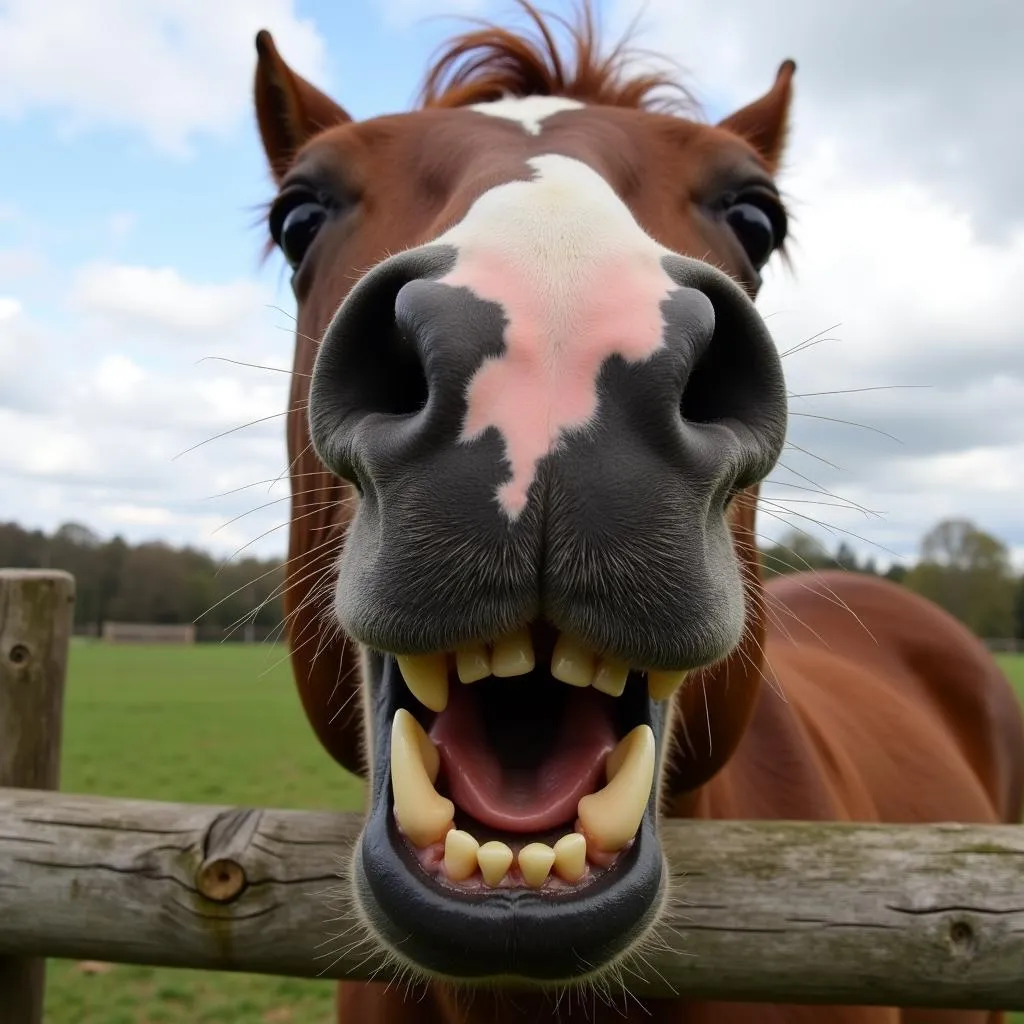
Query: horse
531	406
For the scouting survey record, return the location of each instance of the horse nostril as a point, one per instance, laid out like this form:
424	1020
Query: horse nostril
376	365
724	384
369	367
737	378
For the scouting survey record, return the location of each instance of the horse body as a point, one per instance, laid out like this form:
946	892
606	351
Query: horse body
557	320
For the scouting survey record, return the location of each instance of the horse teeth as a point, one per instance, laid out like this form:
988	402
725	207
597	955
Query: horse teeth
571	857
472	663
611	816
494	858
464	856
572	663
513	654
426	675
422	813
460	855
610	677
535	862
662	685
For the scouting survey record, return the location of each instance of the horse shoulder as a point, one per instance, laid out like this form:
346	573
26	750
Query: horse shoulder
896	683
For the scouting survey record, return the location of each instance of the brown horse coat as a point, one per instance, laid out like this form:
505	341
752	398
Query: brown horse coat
820	696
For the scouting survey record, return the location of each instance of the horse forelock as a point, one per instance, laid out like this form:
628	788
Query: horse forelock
492	63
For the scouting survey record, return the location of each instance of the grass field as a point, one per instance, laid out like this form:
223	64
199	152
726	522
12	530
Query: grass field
210	724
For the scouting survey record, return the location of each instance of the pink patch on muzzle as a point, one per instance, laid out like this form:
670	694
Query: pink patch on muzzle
558	335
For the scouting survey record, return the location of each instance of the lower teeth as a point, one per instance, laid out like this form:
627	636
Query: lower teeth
465	861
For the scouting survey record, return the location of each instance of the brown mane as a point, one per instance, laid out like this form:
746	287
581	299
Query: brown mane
491	62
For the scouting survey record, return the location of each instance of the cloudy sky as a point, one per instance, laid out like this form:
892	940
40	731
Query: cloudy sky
129	251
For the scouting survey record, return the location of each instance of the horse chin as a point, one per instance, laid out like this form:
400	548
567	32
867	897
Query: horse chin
553	930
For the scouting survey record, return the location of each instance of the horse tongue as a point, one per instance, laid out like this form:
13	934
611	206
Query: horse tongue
522	799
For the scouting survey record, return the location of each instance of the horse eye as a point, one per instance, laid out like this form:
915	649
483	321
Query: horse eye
294	226
754	229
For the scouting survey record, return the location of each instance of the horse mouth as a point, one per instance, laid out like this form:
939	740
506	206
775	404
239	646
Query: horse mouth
514	788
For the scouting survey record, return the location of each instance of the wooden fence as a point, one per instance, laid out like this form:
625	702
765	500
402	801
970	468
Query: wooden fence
760	911
149	632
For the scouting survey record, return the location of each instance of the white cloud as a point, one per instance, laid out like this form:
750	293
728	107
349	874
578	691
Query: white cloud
25	357
16	264
928	308
159	298
908	235
170	69
95	426
903	89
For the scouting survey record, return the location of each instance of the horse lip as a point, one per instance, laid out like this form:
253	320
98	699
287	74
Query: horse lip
514	933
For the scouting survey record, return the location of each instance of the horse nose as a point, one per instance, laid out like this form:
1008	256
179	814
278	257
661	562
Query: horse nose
414	366
547	448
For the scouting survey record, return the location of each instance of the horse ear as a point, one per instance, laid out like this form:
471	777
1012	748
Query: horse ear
290	111
764	122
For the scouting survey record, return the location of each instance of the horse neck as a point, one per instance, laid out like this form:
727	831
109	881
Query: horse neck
713	710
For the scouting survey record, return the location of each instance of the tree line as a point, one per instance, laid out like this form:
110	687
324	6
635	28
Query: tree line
153	582
965	570
960	567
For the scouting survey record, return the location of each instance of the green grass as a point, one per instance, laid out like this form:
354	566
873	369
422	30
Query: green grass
205	724
209	724
1013	666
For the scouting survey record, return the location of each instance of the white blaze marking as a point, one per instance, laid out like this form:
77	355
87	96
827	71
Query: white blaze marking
578	281
529	111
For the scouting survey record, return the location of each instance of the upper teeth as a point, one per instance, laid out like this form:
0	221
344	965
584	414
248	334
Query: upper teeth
472	663
513	654
426	675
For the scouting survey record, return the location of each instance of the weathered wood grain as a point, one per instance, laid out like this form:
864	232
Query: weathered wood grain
924	915
36	614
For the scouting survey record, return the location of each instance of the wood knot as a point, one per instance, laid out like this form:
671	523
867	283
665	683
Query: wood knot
962	937
221	880
18	654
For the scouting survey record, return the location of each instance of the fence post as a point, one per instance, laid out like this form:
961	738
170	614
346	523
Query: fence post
36	617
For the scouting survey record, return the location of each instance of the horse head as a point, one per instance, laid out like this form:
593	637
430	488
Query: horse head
534	394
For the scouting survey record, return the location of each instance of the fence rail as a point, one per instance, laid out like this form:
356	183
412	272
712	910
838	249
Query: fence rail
764	911
767	911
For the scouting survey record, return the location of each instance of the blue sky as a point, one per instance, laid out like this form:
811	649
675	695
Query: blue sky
129	250
96	192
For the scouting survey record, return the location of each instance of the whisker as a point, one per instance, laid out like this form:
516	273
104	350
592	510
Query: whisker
859	391
251	366
237	590
234	430
266	533
277	501
815	489
291	465
814	339
824	504
832	528
846	423
811	455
